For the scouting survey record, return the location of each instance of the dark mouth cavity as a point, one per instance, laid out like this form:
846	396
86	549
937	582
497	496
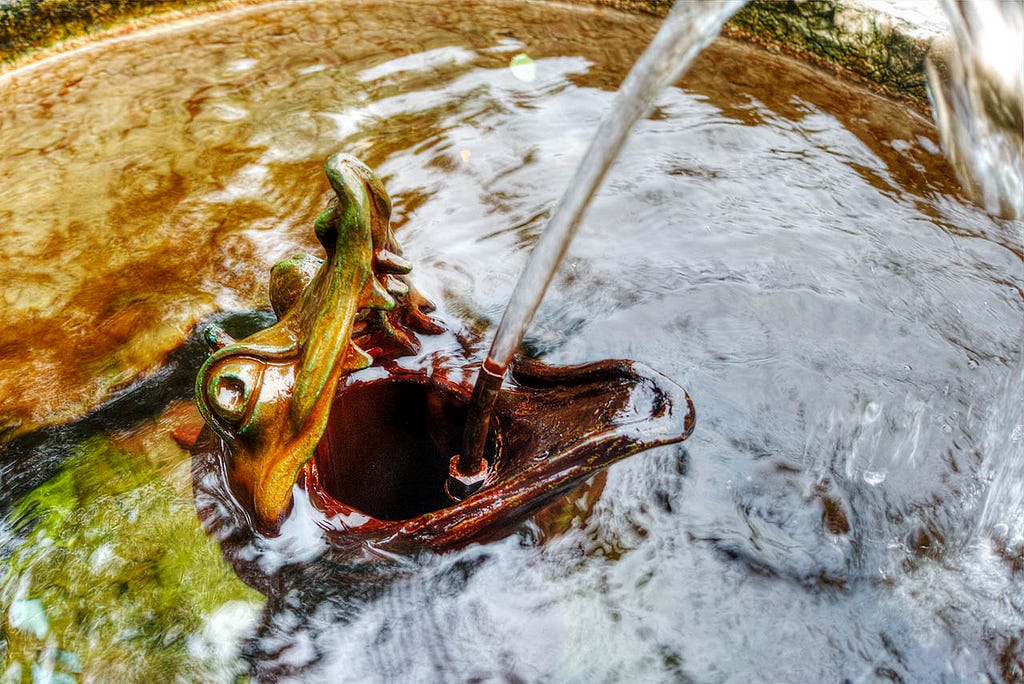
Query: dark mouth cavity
387	447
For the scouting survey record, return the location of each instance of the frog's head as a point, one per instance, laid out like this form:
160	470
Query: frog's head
269	395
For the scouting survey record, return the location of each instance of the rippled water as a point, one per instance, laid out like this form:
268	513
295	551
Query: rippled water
793	251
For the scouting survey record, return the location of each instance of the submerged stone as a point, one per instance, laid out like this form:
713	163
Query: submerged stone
112	577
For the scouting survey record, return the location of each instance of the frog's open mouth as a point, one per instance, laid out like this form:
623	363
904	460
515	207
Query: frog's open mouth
380	466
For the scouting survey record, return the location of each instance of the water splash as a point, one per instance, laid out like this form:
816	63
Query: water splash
976	86
1002	510
687	30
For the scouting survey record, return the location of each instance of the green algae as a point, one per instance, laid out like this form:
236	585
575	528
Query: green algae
110	577
30	25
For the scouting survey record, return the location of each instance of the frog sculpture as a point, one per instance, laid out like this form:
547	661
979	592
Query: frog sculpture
351	406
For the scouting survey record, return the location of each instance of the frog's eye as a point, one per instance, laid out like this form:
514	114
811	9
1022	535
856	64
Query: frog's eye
232	389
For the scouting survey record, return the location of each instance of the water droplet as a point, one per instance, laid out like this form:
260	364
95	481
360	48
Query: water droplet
240	65
907	367
972	363
523	67
69	661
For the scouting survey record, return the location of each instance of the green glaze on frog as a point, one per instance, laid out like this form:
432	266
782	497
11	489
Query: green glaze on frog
268	396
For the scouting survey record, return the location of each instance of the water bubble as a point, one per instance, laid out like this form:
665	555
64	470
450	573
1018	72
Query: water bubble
43	672
874	477
523	67
69	661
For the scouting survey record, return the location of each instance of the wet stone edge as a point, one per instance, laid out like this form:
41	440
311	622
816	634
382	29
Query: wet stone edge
28	26
854	39
851	38
866	43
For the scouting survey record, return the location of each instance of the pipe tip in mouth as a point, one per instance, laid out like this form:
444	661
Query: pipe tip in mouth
461	484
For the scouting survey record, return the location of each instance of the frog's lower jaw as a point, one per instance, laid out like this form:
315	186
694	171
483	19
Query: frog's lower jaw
374	486
383	459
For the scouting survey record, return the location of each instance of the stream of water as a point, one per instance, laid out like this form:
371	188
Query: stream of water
793	250
687	30
976	87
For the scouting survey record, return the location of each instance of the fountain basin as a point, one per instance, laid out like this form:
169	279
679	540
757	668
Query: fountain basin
859	41
805	266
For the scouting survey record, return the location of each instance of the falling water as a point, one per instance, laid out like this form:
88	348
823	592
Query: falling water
1002	509
976	86
977	92
687	30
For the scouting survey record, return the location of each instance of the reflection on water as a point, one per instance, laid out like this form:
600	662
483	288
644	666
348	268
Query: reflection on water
794	252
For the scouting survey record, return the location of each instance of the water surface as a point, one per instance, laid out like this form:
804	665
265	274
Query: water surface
793	251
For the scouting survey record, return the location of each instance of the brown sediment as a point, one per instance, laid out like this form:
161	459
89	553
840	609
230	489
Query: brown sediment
913	98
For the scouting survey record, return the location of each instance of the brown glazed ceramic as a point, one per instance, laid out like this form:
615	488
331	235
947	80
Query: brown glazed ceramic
332	431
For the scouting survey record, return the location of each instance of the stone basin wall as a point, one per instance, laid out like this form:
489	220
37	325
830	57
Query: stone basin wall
882	42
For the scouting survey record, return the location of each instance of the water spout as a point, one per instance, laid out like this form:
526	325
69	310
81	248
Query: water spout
687	30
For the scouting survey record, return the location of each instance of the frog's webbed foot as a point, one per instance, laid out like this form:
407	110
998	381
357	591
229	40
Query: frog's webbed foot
390	308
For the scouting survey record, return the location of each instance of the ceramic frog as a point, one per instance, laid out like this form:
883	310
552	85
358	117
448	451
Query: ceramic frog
269	395
348	411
